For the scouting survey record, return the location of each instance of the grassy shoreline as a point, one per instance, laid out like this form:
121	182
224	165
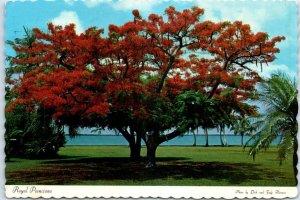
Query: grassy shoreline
177	165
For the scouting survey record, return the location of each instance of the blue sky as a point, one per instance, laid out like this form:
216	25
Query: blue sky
273	17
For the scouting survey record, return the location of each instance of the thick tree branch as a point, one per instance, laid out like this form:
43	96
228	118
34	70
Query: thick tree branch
215	87
61	61
164	76
179	131
229	60
243	64
125	134
126	66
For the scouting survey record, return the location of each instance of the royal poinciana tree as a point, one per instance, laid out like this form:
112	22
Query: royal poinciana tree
151	79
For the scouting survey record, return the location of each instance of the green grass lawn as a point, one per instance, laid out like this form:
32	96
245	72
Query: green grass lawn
110	165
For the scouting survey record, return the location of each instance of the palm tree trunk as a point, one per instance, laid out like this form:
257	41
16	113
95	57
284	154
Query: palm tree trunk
195	138
242	139
295	160
221	138
224	142
206	137
222	135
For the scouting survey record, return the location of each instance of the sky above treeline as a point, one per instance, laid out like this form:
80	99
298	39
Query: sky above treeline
277	18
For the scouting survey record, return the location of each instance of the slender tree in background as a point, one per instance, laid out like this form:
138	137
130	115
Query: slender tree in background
206	136
195	137
222	135
242	126
139	79
279	95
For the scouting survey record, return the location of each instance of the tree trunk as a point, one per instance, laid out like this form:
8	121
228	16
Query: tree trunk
138	144
135	151
134	143
221	139
135	147
206	137
7	151
242	139
152	142
151	151
195	139
222	136
295	161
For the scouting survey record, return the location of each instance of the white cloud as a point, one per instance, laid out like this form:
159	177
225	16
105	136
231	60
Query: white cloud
93	3
70	2
68	17
255	13
143	6
20	0
88	3
273	68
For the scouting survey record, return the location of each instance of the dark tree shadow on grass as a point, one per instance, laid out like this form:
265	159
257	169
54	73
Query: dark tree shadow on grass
76	170
54	157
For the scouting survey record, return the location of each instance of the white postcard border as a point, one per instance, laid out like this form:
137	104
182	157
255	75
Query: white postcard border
197	192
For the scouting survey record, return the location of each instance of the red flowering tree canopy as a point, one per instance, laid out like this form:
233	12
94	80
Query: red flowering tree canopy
141	66
61	80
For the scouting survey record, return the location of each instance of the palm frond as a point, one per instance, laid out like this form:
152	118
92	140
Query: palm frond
279	96
260	140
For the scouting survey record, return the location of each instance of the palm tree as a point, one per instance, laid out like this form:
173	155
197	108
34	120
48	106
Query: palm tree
196	110
206	136
279	96
242	126
222	135
193	131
